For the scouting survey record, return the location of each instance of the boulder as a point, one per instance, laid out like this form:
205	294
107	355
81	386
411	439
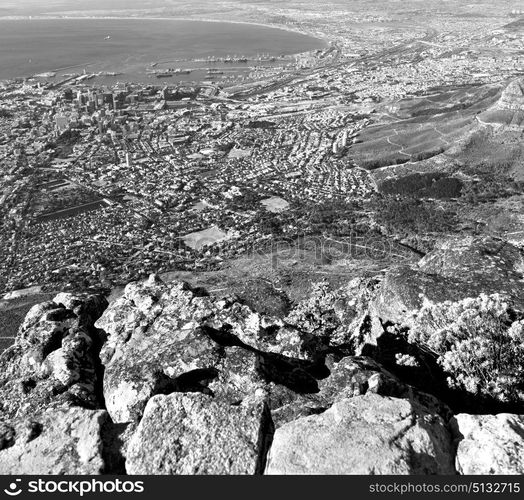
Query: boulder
150	307
490	444
54	360
165	338
54	442
333	317
455	270
153	307
356	375
368	434
349	377
237	375
478	261
196	434
157	362
403	290
260	332
87	307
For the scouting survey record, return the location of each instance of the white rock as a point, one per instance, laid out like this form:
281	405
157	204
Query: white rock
367	434
490	444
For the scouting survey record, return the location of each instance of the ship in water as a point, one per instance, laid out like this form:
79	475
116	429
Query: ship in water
169	72
47	74
108	73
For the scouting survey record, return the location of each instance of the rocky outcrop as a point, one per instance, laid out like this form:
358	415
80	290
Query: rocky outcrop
508	111
54	361
348	377
334	316
168	380
451	325
54	442
512	97
196	434
455	270
403	289
364	435
490	444
166	338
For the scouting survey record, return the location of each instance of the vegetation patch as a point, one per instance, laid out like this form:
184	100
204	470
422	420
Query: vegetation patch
478	342
424	185
406	216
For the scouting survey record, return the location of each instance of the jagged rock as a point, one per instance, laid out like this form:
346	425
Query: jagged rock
355	376
261	296
508	111
54	442
367	434
87	307
455	270
512	96
403	289
333	317
261	332
42	331
73	363
237	375
141	305
286	405
154	342
164	338
195	434
490	444
54	361
154	306
349	377
156	362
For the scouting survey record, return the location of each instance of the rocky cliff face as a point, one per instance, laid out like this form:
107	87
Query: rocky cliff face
168	380
512	97
508	111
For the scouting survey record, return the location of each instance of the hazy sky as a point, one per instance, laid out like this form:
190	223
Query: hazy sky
28	7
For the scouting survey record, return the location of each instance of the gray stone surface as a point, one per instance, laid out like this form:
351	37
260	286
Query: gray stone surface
455	270
54	361
195	434
490	444
367	434
54	442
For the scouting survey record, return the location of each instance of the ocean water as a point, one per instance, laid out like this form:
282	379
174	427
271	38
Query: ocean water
130	46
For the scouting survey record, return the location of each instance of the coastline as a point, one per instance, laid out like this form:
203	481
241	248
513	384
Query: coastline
323	37
322	40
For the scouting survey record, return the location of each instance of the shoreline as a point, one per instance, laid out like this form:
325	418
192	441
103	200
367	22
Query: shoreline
323	40
321	37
